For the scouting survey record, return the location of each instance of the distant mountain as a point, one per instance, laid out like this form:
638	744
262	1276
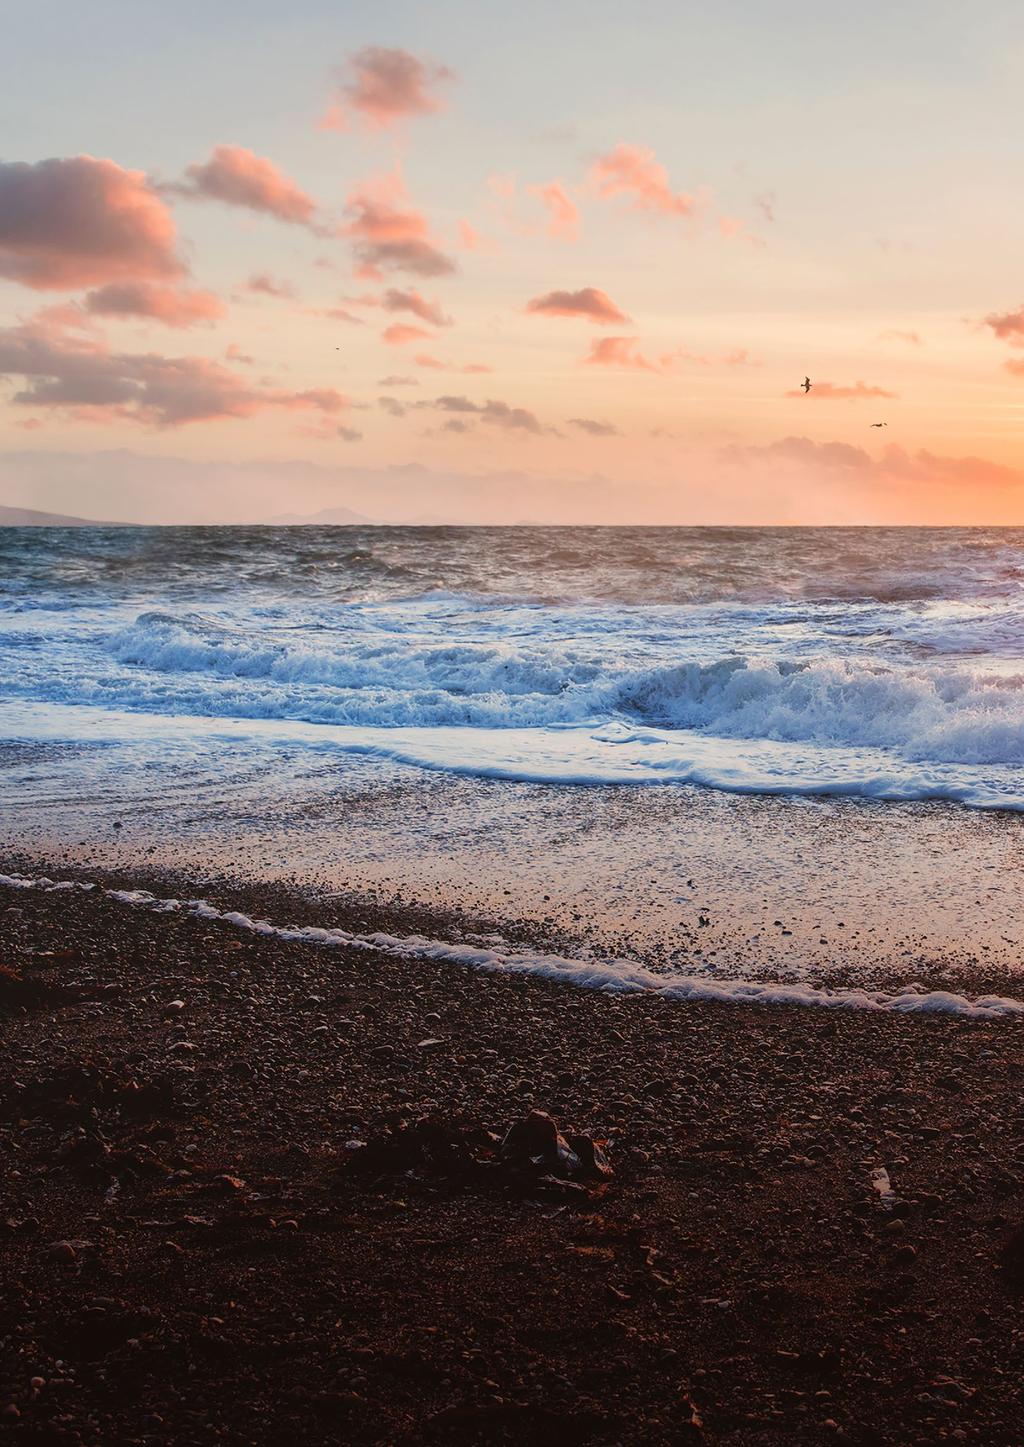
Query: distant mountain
328	517
27	517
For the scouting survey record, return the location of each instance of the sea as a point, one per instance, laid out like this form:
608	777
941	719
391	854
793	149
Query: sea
780	764
886	663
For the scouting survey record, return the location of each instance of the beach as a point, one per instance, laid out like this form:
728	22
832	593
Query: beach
510	987
220	1219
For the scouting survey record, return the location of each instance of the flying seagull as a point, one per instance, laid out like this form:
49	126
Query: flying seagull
879	424
806	385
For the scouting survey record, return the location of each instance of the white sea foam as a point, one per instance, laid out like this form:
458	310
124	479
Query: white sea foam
612	976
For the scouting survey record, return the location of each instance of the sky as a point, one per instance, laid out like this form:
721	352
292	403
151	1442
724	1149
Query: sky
481	262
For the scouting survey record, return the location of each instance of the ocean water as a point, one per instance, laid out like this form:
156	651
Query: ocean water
886	663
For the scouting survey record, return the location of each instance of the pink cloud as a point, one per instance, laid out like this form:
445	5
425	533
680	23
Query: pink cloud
634	172
82	377
437	364
234	353
394	300
79	221
563	213
238	177
1015	365
399	335
398	381
589	304
1008	326
594	428
384	86
173	307
389	234
263	284
829	392
470	239
623	352
342	314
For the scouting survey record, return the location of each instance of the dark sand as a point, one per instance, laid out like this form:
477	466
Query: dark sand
189	1253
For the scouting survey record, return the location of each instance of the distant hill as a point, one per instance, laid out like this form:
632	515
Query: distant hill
27	517
328	517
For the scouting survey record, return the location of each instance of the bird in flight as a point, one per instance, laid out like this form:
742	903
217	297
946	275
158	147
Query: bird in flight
879	424
806	385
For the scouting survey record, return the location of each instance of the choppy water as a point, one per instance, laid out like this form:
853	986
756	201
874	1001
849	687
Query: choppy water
883	662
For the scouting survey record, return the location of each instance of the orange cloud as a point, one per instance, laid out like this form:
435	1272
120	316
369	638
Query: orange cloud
912	339
384	86
1008	326
590	304
859	392
238	177
79	221
623	352
1015	365
389	234
399	335
82	377
634	172
563	213
394	300
168	305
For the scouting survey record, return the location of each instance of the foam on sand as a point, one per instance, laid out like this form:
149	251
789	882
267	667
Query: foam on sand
613	976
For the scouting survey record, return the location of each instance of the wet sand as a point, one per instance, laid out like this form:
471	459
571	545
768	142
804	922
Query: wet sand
216	1226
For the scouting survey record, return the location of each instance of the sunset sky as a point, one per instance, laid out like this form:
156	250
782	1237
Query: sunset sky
487	262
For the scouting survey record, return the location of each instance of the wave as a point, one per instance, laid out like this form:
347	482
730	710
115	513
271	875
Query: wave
927	713
611	976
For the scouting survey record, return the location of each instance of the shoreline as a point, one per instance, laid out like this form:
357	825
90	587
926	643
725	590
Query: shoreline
181	1100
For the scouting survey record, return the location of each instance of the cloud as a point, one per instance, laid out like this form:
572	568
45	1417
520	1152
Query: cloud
79	221
563	213
389	234
349	434
1008	326
634	172
595	429
411	301
399	335
470	239
437	364
623	352
234	353
1014	365
392	406
393	381
384	86
893	335
168	305
500	414
829	392
765	203
263	284
590	304
84	377
842	462
238	177
342	314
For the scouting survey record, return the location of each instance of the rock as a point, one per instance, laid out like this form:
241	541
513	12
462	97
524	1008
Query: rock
63	1251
